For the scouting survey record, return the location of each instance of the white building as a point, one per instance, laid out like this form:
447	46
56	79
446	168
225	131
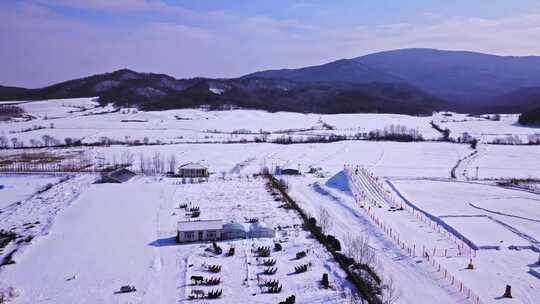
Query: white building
195	231
243	231
192	170
213	230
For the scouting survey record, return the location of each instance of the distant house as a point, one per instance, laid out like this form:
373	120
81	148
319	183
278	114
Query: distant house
195	231
288	172
192	170
212	230
117	176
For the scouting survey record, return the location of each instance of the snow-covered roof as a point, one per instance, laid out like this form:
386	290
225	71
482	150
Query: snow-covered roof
234	227
192	166
200	225
122	175
258	226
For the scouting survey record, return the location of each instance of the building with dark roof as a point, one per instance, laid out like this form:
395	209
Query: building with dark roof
117	176
192	170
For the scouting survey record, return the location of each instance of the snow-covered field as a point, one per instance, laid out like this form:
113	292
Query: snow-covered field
238	200
124	234
486	129
500	161
98	237
78	118
17	187
503	223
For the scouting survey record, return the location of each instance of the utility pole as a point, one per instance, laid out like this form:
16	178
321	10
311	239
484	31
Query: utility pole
477	172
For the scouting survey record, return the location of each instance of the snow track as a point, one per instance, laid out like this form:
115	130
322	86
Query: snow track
416	279
408	229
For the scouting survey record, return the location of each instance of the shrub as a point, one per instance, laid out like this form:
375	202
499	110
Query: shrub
324	280
333	242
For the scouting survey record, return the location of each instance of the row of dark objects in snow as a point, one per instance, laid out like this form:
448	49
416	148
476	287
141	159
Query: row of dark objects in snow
270	283
214	268
289	300
202	281
272	286
192	211
270	270
263	251
269	262
301	268
214	294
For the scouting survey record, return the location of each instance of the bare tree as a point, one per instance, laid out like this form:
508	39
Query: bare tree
157	163
105	140
324	220
14	142
126	158
142	163
3	142
47	140
359	248
34	142
172	162
390	293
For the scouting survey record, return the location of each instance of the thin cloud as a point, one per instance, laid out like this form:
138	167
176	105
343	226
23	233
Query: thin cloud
46	47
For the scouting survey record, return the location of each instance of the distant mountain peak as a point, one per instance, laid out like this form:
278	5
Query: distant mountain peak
410	81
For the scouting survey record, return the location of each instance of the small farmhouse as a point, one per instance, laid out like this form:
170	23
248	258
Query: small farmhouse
195	231
192	170
117	176
287	171
212	230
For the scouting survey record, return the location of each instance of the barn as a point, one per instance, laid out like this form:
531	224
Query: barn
117	176
197	231
192	170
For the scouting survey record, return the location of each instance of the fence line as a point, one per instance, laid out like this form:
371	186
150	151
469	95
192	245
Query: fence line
463	247
427	253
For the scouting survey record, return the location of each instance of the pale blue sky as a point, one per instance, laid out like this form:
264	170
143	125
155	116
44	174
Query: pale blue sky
45	41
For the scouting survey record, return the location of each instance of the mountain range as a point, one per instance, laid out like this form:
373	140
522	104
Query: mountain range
407	81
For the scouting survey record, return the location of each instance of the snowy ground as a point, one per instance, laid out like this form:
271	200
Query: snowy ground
508	162
96	238
120	234
490	217
414	278
241	199
76	118
486	129
17	187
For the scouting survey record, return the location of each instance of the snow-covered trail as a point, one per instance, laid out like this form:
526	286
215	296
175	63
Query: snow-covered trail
461	170
416	280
